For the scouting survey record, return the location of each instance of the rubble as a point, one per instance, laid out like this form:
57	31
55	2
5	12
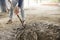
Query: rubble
39	31
32	31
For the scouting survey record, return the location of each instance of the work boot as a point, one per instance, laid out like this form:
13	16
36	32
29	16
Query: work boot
9	22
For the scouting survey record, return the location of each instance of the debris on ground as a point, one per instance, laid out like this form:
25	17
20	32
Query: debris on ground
39	31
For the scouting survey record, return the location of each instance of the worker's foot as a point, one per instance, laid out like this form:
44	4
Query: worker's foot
9	22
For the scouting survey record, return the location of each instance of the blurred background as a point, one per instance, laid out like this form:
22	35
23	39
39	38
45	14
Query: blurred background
35	4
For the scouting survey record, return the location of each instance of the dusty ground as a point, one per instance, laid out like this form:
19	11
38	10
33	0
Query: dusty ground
8	31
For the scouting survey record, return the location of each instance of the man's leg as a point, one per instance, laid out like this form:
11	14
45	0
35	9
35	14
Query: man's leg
11	15
22	13
3	5
11	11
23	16
0	5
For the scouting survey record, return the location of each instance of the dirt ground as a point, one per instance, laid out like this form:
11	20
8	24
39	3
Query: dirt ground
8	31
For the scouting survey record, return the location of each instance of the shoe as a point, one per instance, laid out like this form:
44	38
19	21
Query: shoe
9	22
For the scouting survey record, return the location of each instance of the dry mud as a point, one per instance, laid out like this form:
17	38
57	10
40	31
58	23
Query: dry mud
32	31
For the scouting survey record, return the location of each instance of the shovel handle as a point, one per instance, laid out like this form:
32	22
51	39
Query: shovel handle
19	18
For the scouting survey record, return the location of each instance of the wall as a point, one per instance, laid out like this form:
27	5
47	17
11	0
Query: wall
37	3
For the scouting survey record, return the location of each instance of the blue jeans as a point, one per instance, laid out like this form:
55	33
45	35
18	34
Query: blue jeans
3	5
0	4
11	10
